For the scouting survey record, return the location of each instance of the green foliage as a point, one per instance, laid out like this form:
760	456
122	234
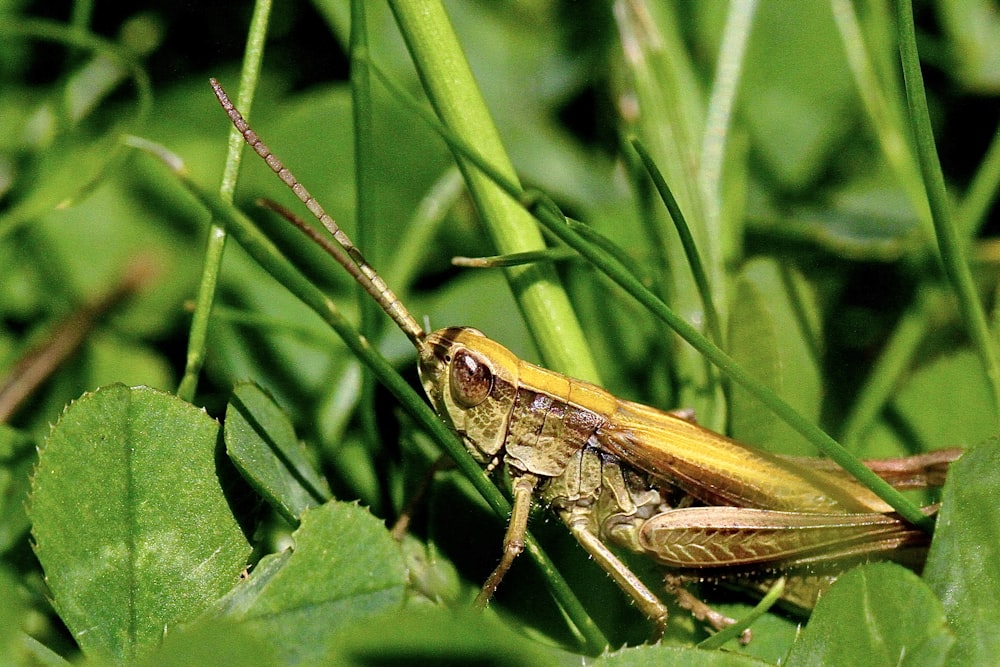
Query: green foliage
879	614
129	519
343	567
260	441
772	328
141	531
960	560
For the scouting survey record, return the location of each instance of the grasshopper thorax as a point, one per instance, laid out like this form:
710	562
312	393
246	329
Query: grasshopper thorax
471	381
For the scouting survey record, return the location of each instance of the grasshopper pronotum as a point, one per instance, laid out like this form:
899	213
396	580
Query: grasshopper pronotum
649	481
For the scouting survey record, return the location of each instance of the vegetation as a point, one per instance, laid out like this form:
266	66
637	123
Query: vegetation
197	462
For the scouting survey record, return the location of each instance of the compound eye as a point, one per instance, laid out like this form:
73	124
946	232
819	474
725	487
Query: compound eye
471	380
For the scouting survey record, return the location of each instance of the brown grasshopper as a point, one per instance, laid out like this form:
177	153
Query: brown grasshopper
653	482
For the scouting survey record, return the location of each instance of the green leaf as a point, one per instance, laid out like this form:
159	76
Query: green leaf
771	325
647	656
13	612
878	614
933	420
261	442
435	635
219	643
40	655
130	521
795	120
344	567
964	559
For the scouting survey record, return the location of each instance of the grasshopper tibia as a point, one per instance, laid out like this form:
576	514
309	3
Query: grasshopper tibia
645	599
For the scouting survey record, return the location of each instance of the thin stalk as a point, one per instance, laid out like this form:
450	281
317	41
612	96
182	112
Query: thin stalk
365	176
950	245
455	96
365	197
982	191
687	241
216	243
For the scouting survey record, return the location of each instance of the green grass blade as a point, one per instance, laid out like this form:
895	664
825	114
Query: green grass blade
687	241
198	338
365	180
454	93
949	243
982	191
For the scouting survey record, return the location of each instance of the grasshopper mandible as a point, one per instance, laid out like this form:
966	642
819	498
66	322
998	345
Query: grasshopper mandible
650	481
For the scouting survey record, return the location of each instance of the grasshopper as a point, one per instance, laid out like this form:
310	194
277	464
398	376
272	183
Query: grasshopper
617	472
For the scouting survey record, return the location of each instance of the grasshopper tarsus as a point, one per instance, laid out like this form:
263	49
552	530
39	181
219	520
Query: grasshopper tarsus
687	600
511	550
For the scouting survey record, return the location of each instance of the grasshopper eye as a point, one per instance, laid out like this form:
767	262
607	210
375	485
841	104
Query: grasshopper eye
471	380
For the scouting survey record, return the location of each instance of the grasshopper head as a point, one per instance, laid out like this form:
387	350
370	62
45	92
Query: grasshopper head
472	383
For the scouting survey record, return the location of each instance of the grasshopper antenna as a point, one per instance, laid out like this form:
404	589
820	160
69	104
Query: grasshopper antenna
344	251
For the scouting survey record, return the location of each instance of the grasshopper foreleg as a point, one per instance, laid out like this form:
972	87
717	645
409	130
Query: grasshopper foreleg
402	525
513	541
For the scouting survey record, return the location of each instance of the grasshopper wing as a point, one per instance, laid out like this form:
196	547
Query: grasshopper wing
917	471
719	471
